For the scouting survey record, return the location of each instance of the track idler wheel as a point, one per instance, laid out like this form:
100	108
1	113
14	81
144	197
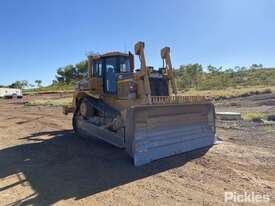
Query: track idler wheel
85	110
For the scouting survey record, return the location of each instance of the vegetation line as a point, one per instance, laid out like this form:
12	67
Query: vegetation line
190	78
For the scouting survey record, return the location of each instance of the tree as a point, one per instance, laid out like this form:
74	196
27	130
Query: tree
66	74
71	73
60	75
82	68
190	75
256	66
38	82
54	82
19	84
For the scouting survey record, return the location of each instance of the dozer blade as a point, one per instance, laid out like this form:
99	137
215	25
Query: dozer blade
158	131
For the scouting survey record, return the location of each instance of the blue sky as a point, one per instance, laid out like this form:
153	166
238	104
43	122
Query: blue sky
38	36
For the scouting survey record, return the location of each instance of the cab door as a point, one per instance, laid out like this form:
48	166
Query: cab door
97	77
110	76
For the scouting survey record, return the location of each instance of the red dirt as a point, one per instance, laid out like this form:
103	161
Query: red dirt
42	162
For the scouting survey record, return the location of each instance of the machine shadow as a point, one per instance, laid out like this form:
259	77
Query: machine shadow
65	166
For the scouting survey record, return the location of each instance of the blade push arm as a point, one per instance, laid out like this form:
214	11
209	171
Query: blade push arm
165	55
139	50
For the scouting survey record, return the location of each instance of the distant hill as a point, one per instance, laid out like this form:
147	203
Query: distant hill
193	76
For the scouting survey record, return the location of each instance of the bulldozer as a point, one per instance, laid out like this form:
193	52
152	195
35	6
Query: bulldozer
140	110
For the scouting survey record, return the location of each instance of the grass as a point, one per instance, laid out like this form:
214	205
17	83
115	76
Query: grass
47	92
231	92
253	116
51	89
215	93
50	102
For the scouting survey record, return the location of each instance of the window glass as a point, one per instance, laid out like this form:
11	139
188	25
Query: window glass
100	69
97	69
111	75
124	64
111	64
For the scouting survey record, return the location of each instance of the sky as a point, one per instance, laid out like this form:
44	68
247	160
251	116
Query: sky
37	36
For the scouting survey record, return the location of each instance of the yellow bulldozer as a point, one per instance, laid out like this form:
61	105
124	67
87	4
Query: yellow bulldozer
139	109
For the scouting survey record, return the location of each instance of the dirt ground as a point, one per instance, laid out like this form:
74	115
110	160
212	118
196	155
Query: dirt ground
42	162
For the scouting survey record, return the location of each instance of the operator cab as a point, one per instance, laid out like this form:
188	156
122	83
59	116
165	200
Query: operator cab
113	74
110	67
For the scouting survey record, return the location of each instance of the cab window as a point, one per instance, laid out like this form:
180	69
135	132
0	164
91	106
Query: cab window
110	76
97	68
111	64
124	65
